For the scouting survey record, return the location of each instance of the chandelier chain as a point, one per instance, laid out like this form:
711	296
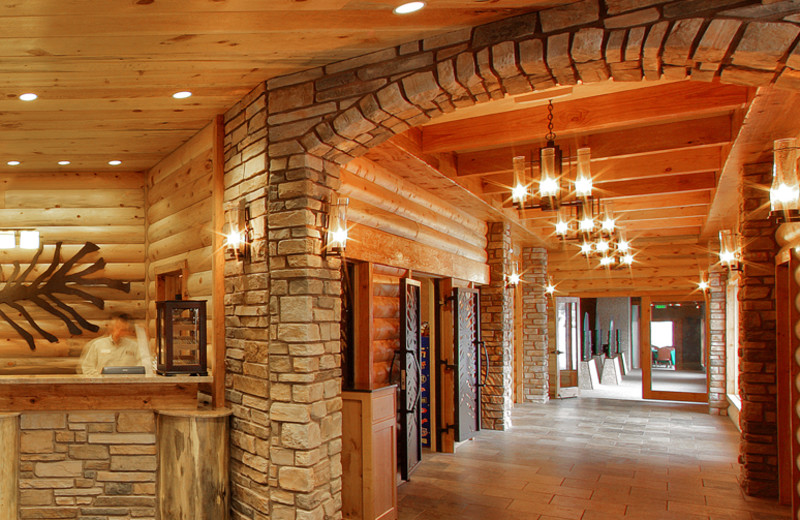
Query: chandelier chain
551	136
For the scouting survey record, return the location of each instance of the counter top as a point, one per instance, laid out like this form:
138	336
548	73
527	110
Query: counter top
104	380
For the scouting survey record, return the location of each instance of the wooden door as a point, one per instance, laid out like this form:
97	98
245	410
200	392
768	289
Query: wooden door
466	336
409	437
692	385
568	345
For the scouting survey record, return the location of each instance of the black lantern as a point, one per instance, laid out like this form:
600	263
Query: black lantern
181	336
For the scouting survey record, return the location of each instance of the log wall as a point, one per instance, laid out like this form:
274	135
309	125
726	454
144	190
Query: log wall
107	209
384	206
180	229
386	326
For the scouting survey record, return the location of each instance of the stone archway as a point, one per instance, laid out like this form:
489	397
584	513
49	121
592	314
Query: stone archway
286	140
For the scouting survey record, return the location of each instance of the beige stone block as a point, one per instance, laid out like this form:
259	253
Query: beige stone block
614	7
290	98
136	422
680	39
301	436
49	513
88	451
559	60
36	497
296	308
716	40
421	88
42	421
764	44
58	469
46	483
632	19
570	15
122	438
133	463
125	476
36	442
296	413
298	332
296	479
91	417
127	449
587	45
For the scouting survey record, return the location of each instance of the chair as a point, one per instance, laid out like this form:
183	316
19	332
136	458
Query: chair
664	356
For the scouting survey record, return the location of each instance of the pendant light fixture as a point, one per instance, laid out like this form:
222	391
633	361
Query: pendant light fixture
579	215
784	194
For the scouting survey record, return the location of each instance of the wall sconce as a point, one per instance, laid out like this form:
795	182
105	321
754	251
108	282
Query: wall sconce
784	194
550	288
28	239
729	251
237	232
336	235
703	284
513	279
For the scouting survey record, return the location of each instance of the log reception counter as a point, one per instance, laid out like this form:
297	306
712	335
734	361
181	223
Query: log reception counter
111	446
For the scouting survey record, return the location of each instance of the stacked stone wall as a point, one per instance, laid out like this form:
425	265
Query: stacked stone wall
87	465
757	337
535	337
247	289
497	330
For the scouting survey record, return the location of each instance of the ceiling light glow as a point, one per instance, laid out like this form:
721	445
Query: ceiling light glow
115	162
63	163
409	7
182	94
29	96
13	163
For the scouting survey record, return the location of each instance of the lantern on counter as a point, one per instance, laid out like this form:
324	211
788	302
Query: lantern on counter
181	337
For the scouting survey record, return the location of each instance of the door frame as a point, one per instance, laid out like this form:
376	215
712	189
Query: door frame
646	355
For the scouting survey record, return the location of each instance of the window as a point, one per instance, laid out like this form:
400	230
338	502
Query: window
661	333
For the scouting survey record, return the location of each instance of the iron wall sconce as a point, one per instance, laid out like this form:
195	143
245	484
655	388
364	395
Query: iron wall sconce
237	233
336	234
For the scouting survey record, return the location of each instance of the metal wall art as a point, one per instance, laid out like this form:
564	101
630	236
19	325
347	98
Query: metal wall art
44	290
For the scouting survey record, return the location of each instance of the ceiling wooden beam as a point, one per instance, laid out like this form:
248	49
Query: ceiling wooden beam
639	107
684	135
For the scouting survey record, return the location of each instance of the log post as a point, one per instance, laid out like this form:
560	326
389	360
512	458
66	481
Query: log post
193	459
9	465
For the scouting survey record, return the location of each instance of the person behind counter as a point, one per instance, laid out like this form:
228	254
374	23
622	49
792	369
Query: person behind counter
118	349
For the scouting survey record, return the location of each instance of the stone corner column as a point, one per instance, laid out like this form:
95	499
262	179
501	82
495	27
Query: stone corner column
536	384
717	358
757	337
497	330
9	465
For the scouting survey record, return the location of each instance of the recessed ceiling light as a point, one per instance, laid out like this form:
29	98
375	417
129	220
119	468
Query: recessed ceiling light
13	163
409	7
30	96
63	163
115	162
182	94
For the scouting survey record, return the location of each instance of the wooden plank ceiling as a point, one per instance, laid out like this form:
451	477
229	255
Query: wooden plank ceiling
105	71
658	150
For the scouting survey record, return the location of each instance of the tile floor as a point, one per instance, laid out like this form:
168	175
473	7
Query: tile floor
590	459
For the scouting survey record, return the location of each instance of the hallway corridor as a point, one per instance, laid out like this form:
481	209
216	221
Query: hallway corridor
591	459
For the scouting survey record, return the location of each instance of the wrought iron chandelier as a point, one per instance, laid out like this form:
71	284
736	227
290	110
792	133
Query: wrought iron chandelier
581	216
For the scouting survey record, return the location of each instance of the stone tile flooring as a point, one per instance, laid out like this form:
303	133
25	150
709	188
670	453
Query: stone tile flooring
591	459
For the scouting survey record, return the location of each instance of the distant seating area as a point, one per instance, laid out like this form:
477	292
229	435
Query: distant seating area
663	357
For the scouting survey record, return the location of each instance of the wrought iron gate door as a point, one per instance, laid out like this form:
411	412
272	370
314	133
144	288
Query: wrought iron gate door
468	363
409	438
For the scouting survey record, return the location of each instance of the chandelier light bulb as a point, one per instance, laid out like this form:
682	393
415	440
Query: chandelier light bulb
627	259
550	288
623	246
587	224
703	285
518	193
583	178
609	224
602	246
785	194
562	227
607	261
586	248
548	187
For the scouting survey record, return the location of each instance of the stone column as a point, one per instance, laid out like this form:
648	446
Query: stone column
757	343
305	373
717	396
536	385
497	330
